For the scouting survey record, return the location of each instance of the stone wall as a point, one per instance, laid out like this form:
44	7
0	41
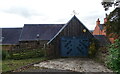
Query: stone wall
32	44
10	47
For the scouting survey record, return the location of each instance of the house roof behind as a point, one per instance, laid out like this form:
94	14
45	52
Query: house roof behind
101	26
91	31
10	36
32	32
102	39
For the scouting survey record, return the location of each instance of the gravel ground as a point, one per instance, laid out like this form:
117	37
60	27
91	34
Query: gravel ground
45	70
74	64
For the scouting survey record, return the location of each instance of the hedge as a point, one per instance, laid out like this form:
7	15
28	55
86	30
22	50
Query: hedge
25	54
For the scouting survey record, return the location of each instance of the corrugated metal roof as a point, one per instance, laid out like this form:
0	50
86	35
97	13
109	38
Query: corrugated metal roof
44	31
102	39
10	36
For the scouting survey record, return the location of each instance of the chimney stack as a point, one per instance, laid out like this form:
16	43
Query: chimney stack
105	19
98	22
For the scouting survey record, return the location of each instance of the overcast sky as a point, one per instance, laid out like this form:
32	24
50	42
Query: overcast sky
16	13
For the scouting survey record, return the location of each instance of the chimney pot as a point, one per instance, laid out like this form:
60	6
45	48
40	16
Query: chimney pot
98	22
105	20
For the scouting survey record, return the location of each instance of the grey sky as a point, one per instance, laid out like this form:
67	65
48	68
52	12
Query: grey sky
16	13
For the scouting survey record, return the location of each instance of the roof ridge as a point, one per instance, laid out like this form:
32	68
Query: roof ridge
13	28
42	24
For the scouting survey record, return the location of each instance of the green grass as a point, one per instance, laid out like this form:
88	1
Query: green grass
8	65
0	66
32	68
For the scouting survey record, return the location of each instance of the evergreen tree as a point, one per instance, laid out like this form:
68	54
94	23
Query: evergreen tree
113	23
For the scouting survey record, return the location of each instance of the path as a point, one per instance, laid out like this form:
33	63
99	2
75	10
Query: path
74	64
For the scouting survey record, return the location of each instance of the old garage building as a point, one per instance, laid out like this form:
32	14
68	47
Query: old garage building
73	39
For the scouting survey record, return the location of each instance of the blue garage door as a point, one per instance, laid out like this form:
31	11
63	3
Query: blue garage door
71	46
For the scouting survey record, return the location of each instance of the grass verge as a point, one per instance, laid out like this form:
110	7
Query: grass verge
8	65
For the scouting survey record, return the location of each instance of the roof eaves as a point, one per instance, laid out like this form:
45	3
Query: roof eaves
84	26
57	34
60	31
21	33
32	40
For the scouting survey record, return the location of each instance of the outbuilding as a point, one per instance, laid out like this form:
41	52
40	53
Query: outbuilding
73	39
9	38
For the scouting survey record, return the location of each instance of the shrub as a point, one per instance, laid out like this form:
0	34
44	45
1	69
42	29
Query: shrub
93	48
113	59
0	52
4	53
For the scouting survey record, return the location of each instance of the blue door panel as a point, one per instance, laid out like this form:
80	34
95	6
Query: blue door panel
74	46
